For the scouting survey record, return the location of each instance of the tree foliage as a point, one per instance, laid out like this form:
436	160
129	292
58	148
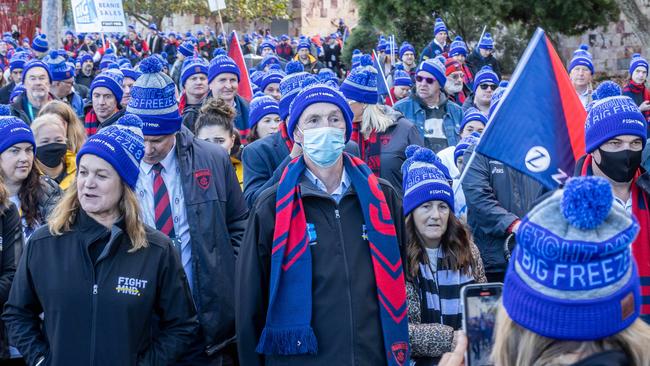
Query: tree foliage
237	11
413	20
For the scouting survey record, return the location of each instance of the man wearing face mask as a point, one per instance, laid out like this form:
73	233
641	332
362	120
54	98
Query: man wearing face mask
615	134
319	278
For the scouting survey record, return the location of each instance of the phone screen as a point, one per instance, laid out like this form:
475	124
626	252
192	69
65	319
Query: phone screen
481	303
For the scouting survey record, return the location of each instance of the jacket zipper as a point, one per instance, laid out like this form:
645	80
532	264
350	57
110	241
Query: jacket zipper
93	321
347	276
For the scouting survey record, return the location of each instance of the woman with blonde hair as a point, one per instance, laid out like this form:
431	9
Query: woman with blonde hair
98	273
440	257
381	132
572	291
75	133
52	155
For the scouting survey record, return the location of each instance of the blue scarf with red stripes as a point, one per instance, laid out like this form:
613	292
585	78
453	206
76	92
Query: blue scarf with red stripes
288	328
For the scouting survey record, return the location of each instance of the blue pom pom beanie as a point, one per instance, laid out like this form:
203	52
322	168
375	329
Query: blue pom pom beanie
290	86
270	77
312	91
121	145
439	26
186	49
361	84
193	66
260	107
39	44
33	63
401	77
112	80
486	43
425	179
18	60
582	57
434	67
458	47
14	131
611	115
222	64
638	61
472	114
572	275
406	47
58	68
153	99
485	75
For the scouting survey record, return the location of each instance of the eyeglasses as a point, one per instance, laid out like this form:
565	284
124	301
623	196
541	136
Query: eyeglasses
486	86
457	76
420	79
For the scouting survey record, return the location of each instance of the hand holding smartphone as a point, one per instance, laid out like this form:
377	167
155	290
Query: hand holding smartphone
480	303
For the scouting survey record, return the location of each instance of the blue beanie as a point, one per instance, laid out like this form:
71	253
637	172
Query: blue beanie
434	67
192	66
86	58
186	49
58	68
153	99
303	44
18	60
129	72
18	90
123	61
267	61
406	47
465	143
256	77
582	57
39	44
274	75
572	275
486	42
485	75
424	179
222	64
361	84
14	131
107	58
290	86
36	63
326	74
311	92
497	95
401	77
458	47
121	145
472	114
261	106
638	61
381	46
611	115
356	58
267	44
439	26
110	79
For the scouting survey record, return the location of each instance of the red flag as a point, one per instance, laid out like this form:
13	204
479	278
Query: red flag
245	90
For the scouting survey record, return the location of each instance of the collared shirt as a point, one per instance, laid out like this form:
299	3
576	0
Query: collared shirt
338	192
585	97
627	205
170	174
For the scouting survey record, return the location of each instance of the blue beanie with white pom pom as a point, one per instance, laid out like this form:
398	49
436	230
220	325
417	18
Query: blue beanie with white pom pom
612	114
153	99
361	85
425	178
582	57
638	61
290	86
121	145
572	275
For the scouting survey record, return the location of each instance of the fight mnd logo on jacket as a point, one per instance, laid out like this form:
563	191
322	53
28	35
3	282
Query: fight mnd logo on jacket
130	286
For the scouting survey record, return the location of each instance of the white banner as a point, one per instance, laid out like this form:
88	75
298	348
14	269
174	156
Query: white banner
98	16
216	5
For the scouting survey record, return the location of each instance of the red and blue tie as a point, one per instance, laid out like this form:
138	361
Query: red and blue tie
162	204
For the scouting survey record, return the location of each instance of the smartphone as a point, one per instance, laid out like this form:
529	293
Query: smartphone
480	302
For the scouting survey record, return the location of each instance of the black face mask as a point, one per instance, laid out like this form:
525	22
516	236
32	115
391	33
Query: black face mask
620	166
51	155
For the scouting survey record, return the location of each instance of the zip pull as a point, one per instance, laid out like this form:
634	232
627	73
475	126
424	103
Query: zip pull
336	214
94	289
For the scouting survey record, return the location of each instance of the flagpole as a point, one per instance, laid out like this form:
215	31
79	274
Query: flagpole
482	33
381	72
223	30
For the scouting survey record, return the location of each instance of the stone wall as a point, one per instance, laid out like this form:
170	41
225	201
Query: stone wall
611	46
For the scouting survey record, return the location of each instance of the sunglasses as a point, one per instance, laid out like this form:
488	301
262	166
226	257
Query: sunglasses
420	79
486	86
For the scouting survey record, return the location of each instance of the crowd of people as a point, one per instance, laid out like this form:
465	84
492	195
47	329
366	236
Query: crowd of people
150	215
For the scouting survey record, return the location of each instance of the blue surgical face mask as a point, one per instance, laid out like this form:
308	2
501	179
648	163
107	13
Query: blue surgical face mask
323	145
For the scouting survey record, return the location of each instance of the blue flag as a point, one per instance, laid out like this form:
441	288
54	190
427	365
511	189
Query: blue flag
538	126
382	85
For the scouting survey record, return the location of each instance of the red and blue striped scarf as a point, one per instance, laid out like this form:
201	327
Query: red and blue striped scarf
288	328
91	123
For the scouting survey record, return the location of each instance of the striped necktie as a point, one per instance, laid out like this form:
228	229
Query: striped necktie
162	204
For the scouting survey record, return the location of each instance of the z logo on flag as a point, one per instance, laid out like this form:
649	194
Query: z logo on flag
538	159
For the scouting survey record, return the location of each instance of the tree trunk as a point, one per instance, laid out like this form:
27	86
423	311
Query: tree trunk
52	22
639	21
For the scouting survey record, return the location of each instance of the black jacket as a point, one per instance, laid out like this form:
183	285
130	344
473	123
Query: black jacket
5	92
101	313
217	218
475	62
190	115
496	196
345	314
17	109
11	245
264	161
82	79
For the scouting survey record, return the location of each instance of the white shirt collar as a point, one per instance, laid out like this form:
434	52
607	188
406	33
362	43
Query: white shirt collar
166	162
343	185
